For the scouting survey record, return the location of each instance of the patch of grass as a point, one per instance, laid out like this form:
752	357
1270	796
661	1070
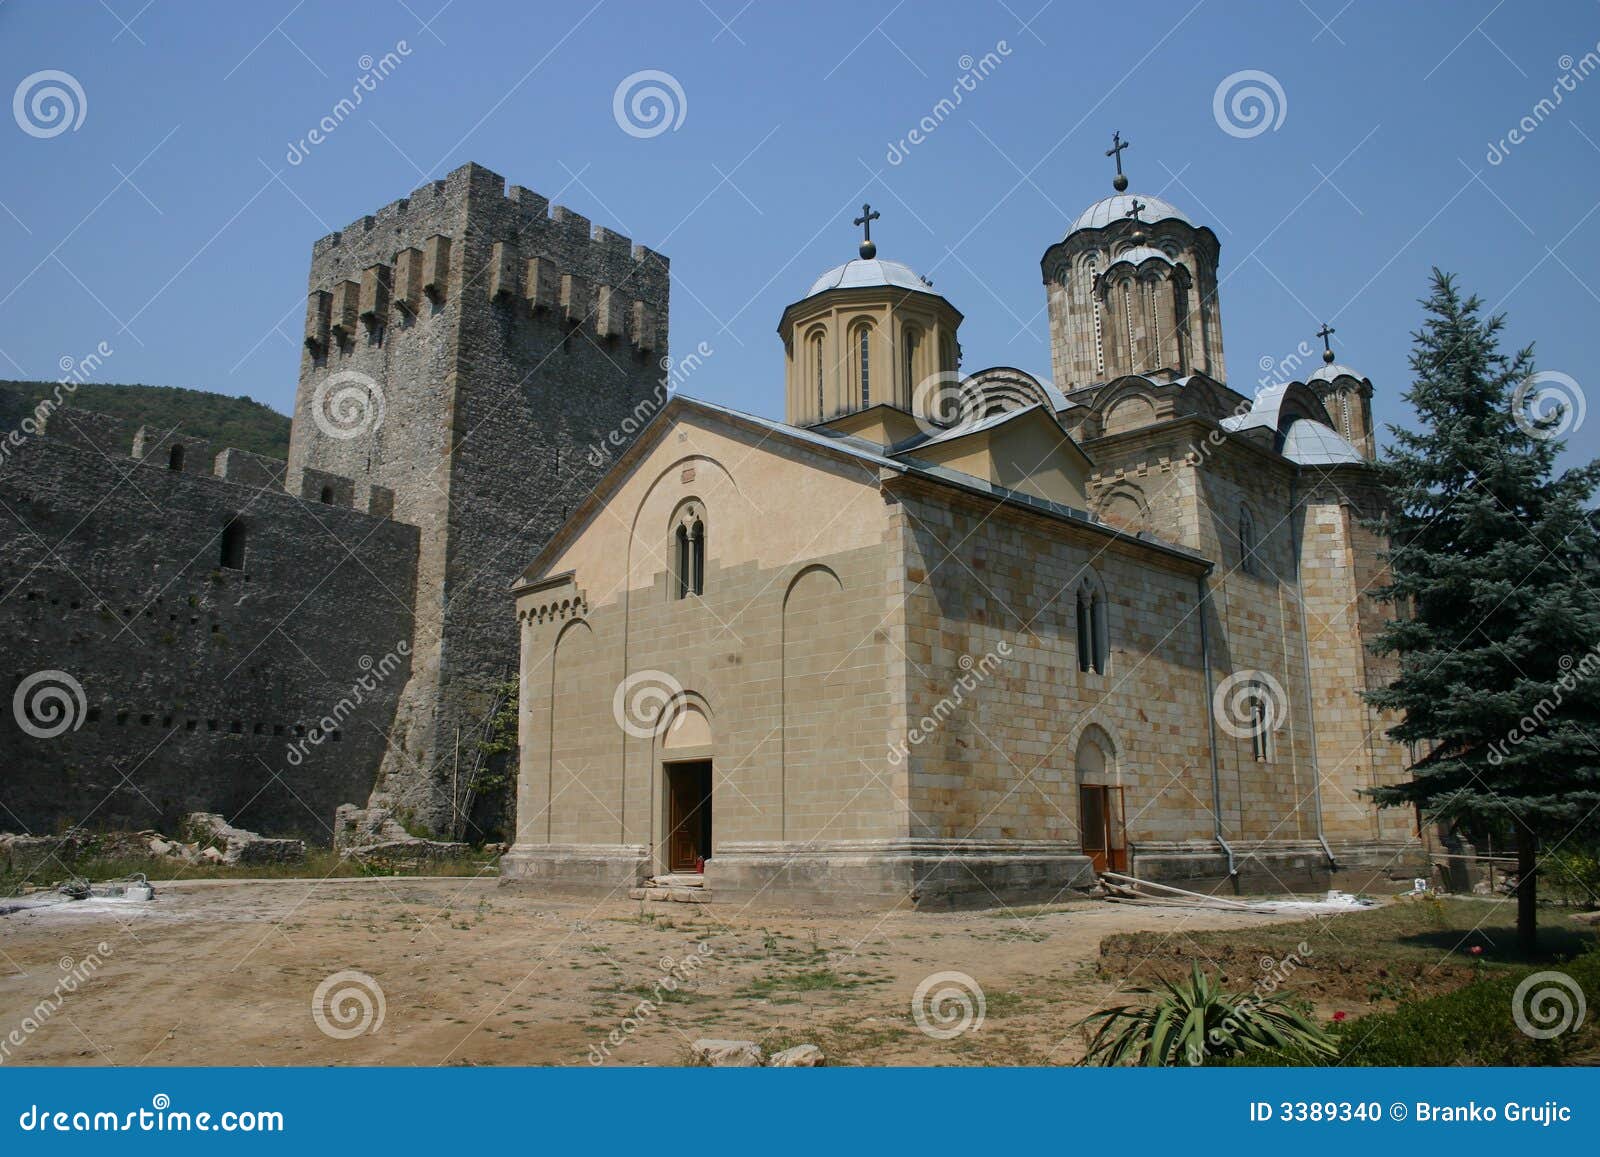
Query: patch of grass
319	864
808	980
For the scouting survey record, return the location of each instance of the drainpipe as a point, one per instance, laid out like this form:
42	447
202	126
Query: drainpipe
1311	705
1202	606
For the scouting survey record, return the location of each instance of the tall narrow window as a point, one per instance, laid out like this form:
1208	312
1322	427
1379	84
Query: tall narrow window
1094	635
817	367
864	341
1247	542
1261	724
689	553
697	557
233	536
175	457
910	341
680	570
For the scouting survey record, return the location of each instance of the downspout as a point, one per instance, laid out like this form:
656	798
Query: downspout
1311	705
1203	605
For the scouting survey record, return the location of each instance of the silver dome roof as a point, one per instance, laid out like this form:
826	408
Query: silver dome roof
1311	443
1115	208
1337	370
862	274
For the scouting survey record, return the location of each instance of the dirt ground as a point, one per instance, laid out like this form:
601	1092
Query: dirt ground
227	972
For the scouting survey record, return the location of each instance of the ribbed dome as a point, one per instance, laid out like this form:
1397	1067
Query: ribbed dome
1337	370
860	274
1113	209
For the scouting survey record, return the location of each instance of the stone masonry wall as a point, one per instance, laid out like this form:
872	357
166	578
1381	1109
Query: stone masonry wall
205	686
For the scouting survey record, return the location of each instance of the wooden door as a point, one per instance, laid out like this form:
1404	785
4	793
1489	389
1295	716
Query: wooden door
1100	819
688	816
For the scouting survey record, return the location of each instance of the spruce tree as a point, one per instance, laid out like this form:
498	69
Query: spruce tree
1496	606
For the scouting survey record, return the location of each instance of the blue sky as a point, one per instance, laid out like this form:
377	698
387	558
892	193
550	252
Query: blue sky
170	225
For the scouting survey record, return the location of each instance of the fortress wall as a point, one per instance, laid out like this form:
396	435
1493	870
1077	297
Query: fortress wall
204	685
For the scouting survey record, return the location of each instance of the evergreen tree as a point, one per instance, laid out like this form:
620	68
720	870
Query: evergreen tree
1497	623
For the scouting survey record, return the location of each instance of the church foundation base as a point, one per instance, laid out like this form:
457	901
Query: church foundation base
576	869
1275	868
921	874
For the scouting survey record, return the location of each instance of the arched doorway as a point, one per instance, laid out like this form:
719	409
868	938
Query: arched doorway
686	790
1101	814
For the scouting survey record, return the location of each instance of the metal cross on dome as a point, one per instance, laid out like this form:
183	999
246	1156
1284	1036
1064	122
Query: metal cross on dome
1133	213
868	216
1120	181
1327	348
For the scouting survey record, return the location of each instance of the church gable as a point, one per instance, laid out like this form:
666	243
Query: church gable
1024	450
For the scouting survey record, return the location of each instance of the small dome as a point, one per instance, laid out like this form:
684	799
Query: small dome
1139	254
862	274
1337	370
1114	209
1310	443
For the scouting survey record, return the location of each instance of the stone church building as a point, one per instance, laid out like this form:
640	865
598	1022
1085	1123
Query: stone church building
944	637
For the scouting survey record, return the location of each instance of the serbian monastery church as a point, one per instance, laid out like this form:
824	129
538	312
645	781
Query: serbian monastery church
948	638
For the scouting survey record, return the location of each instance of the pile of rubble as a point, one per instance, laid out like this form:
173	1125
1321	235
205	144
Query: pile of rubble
207	839
374	837
747	1054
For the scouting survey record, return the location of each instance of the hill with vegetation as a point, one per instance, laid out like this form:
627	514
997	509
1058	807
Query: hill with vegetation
225	421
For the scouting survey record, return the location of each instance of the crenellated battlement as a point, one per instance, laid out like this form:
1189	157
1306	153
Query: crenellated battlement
413	255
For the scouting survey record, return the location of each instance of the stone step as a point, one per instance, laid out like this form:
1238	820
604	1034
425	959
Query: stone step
682	895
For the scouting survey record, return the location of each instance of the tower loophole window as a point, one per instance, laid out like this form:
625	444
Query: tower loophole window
233	545
327	496
175	457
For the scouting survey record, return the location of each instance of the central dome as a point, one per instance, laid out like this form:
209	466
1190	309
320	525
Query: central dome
1114	209
862	274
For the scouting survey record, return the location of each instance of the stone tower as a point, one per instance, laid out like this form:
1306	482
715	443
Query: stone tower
465	348
1347	395
1132	293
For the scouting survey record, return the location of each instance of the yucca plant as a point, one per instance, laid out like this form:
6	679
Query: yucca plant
1196	1018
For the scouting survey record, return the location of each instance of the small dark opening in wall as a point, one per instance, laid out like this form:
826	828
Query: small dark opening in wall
175	457
144	720
338	736
260	729
299	728
327	496
166	721
94	715
238	727
211	724
277	729
122	717
233	540
189	725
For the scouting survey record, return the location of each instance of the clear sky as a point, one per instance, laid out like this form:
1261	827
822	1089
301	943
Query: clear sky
171	224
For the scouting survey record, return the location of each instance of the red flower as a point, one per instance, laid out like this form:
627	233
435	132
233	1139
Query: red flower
1338	1016
1476	950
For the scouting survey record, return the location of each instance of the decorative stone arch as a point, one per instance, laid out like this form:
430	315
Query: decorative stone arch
686	725
1091	622
864	373
814	349
1094	756
1002	388
1127	408
647	539
1102	809
1123	505
1245	532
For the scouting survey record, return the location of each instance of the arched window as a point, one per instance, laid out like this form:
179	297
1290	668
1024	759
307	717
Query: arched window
1094	635
1247	542
910	339
233	537
817	370
689	552
864	363
175	457
327	496
1262	722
